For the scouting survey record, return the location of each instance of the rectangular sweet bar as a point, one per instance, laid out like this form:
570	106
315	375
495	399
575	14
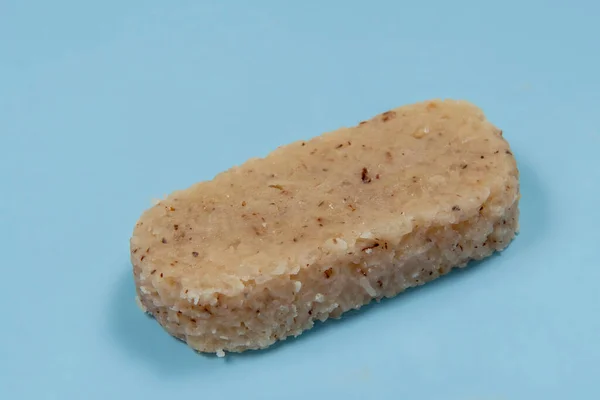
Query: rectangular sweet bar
323	226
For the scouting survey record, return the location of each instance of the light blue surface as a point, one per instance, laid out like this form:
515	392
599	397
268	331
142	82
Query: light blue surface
105	105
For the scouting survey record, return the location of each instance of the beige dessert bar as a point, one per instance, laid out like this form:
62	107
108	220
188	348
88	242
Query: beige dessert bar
323	226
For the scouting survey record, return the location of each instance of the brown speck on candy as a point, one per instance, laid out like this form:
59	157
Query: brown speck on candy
171	208
388	155
152	272
295	239
339	146
276	187
350	206
463	166
134	251
377	176
321	203
362	122
163	240
243	204
175	226
328	272
386	116
482	157
161	275
371	247
455	208
303	144
365	176
142	258
508	152
195	253
349	143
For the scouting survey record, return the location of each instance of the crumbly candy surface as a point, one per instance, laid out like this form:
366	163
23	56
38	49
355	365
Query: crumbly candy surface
322	226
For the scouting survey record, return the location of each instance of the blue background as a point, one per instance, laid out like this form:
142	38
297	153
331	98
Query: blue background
105	105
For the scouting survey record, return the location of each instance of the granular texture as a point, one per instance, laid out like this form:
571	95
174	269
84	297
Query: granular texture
323	226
